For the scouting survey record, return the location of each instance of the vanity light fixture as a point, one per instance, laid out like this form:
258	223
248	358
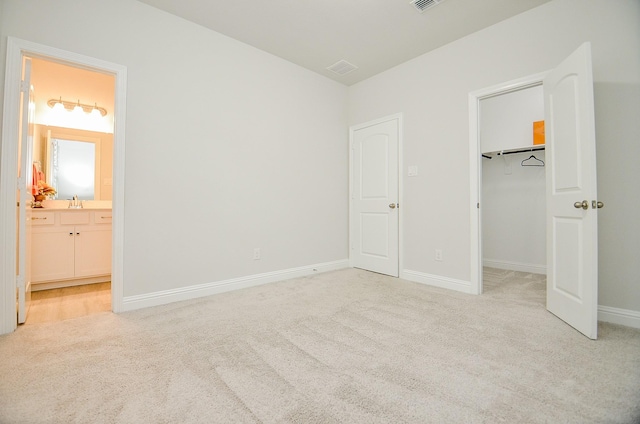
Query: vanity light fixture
72	106
77	108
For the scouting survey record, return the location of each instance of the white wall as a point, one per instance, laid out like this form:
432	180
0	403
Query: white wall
514	213
506	120
230	148
227	147
432	92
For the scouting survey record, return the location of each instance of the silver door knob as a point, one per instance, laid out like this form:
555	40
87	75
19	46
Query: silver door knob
584	205
600	205
392	205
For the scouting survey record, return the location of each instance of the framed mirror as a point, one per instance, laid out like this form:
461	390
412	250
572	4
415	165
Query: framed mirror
82	151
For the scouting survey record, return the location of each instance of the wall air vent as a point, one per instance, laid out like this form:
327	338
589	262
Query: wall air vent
422	5
342	67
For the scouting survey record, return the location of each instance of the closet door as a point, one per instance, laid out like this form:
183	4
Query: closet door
572	225
374	197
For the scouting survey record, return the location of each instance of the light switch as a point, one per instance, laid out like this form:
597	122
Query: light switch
413	171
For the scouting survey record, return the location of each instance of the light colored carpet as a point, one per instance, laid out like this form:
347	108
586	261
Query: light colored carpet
342	347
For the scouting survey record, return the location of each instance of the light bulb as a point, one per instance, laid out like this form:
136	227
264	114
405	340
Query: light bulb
95	112
59	106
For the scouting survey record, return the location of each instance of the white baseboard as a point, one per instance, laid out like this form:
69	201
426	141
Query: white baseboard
131	303
48	285
619	316
515	266
437	281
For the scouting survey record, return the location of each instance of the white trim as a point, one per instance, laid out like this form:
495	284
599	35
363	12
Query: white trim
16	48
475	169
200	290
354	128
515	266
48	285
8	172
437	281
619	316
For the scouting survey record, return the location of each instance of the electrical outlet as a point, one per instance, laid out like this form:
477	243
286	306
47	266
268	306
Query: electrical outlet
438	254
256	253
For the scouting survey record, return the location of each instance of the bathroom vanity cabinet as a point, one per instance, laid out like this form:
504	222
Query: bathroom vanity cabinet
70	247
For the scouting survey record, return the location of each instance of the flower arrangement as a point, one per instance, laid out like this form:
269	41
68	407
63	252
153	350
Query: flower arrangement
45	190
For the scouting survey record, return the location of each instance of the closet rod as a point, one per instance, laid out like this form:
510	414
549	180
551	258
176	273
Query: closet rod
520	151
486	156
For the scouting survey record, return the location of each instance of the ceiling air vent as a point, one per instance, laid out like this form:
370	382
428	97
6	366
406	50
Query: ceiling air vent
342	67
422	5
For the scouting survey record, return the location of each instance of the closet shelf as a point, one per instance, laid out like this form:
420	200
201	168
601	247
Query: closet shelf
534	148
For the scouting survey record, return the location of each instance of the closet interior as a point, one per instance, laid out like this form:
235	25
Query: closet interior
513	184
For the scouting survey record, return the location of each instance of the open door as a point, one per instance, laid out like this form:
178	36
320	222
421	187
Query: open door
374	197
25	174
572	206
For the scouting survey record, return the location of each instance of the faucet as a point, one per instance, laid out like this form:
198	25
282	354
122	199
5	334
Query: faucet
75	203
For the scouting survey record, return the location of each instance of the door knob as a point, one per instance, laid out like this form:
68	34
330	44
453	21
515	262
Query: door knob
584	205
598	204
392	205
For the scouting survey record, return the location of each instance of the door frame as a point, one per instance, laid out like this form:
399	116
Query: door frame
352	129
475	168
16	48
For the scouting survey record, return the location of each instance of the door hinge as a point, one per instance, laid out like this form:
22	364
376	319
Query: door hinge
478	205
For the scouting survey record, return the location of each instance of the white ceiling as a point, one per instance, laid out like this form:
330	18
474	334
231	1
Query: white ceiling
374	35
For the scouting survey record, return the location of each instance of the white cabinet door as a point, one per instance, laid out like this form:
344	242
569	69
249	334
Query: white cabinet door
572	231
92	250
64	249
52	253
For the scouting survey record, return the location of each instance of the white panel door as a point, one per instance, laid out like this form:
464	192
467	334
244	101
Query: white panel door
572	218
25	158
374	197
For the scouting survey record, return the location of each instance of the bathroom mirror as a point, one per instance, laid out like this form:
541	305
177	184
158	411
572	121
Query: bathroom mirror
73	169
75	153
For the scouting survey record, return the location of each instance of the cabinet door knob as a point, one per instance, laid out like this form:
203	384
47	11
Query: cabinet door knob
70	234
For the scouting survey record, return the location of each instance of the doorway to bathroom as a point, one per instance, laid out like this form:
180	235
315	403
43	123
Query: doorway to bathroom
17	51
72	152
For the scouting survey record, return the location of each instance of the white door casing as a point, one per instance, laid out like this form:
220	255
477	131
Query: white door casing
16	49
572	249
475	168
374	204
25	155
